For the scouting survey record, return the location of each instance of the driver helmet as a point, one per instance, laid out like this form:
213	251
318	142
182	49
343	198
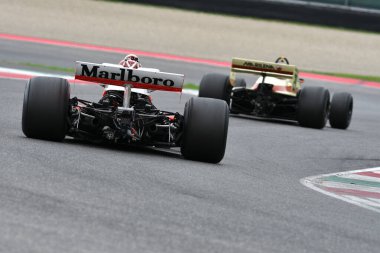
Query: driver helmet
130	61
282	60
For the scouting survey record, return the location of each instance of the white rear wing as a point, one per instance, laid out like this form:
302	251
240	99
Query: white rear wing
120	76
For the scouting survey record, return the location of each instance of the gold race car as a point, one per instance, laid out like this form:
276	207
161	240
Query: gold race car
277	94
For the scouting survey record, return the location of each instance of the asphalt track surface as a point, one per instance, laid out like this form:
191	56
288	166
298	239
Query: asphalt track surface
79	197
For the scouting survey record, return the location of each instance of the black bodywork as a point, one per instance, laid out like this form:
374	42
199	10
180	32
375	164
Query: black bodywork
140	124
263	102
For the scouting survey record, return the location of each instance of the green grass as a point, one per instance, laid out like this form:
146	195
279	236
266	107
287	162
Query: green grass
347	75
47	67
191	86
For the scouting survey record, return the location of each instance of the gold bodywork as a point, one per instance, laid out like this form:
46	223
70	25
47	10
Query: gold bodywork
284	77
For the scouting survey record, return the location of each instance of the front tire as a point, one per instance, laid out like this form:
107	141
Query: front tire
341	110
205	130
46	108
216	86
313	105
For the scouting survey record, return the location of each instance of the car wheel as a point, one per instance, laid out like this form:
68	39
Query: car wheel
205	130
216	86
46	108
341	110
313	105
239	83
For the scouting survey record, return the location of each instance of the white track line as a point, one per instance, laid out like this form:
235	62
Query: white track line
69	78
314	181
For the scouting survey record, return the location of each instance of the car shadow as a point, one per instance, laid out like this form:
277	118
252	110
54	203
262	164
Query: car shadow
172	152
269	120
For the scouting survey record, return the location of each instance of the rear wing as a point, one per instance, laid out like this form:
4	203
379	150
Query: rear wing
278	70
120	76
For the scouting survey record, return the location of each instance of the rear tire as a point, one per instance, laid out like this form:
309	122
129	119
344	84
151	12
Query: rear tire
205	130
341	110
216	86
239	83
46	108
313	105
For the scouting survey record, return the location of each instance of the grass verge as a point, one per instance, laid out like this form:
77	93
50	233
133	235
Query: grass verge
193	86
346	75
46	67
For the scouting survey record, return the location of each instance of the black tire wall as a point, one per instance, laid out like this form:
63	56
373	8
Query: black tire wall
341	110
216	86
205	130
313	106
46	108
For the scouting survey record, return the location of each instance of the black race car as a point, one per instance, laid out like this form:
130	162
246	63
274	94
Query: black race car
124	115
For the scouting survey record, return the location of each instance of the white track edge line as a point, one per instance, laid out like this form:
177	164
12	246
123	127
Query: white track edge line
70	78
307	182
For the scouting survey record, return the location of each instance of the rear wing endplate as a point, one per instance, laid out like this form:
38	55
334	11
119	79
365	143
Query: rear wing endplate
120	76
240	65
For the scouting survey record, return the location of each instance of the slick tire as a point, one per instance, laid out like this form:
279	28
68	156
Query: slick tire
46	108
216	86
240	83
205	130
313	107
341	110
